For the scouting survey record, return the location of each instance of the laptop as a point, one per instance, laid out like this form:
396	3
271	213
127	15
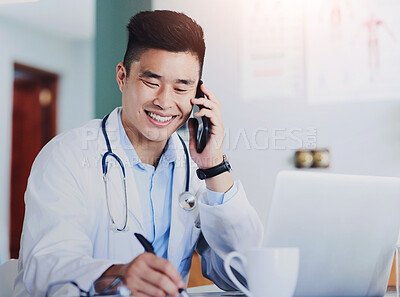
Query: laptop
346	227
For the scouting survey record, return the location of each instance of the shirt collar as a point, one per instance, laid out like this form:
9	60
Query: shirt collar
169	153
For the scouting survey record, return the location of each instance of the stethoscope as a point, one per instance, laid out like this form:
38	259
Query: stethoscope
186	199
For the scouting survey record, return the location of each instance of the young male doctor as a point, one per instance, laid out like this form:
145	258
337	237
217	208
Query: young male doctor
79	224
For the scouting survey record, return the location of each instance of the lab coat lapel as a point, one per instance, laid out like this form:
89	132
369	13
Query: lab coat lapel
134	206
181	220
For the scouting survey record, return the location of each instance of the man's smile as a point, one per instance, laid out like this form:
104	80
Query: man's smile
159	119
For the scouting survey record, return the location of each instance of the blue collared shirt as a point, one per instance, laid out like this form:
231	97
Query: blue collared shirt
154	185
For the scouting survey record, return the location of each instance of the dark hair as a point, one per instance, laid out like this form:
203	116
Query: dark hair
166	30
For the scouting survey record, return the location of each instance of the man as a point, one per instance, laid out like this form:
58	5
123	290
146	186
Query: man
79	224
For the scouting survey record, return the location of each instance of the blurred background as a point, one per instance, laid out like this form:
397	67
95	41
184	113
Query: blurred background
296	78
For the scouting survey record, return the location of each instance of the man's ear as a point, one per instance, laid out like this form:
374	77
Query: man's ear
121	76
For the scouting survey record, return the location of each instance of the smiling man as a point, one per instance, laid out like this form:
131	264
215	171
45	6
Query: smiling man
82	214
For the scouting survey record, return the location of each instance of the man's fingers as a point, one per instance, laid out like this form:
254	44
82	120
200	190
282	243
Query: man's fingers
140	294
163	283
143	287
153	276
211	115
209	94
206	103
167	269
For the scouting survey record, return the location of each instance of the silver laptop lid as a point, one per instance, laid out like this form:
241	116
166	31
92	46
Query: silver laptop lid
345	226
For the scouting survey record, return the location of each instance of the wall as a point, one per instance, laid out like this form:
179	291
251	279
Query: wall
364	138
72	60
111	40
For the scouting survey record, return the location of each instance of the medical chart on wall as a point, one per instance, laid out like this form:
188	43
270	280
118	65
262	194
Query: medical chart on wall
272	54
352	50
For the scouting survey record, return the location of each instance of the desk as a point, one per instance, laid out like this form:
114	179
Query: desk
391	292
211	291
204	289
214	291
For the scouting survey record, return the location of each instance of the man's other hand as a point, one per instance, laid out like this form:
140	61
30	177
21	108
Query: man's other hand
149	276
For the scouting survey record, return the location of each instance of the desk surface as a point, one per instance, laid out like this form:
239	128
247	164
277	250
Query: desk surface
214	291
211	291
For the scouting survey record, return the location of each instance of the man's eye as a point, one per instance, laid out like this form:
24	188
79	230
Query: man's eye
150	84
180	90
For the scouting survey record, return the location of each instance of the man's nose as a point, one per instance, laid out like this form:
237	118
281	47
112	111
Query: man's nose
164	98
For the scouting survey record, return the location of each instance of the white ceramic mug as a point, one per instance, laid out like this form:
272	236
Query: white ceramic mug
270	272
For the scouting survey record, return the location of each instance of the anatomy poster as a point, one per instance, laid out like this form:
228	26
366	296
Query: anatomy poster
272	49
352	50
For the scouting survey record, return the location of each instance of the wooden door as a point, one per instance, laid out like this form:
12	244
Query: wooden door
33	125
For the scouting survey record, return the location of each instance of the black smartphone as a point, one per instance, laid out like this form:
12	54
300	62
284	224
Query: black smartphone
204	128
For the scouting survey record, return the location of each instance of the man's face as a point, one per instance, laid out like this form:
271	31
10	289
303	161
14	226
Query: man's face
156	95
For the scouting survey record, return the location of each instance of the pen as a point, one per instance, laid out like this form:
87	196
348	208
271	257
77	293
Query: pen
148	247
146	244
183	293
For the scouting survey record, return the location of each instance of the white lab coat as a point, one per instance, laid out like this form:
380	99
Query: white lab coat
67	235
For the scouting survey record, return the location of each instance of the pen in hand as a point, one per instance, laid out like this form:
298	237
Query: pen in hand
145	243
148	247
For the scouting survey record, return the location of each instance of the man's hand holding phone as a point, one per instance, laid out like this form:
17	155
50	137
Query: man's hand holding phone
212	153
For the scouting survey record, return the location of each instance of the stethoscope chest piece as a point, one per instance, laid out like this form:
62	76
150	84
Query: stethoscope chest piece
187	201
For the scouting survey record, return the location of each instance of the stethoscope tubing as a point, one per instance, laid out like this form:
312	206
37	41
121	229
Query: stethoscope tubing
186	200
